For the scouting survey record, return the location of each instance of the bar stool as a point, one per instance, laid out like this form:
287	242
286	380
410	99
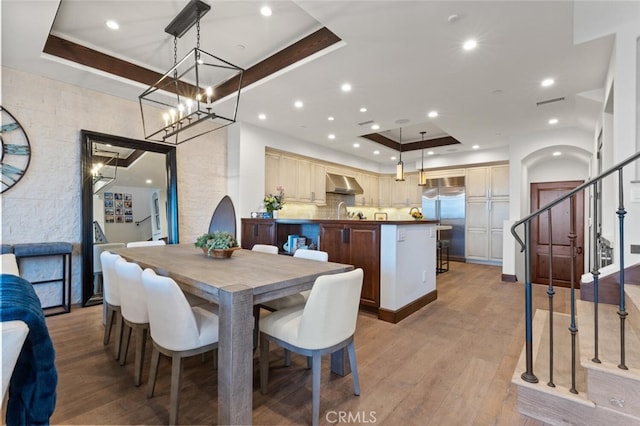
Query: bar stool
442	256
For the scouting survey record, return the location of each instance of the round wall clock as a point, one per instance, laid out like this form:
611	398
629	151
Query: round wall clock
16	151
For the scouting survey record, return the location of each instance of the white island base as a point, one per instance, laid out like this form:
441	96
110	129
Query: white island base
407	269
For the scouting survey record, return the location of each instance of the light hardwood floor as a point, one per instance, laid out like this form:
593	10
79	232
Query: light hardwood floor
450	363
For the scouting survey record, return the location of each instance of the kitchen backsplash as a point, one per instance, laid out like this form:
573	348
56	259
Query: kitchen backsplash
293	210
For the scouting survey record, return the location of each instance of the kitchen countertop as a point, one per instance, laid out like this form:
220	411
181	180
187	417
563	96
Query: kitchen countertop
353	221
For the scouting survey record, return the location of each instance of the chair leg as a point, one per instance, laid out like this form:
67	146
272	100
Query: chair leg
119	327
108	325
141	340
153	371
354	368
176	379
287	358
264	363
126	337
315	388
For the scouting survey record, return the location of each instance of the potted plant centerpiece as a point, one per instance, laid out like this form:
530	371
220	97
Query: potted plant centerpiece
217	244
273	203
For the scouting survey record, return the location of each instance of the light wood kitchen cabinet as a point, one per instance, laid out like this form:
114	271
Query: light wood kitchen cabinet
384	190
357	245
399	193
499	178
414	192
305	192
289	177
271	172
476	182
318	184
369	183
487	190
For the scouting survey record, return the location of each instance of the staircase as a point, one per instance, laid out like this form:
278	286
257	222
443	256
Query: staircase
606	394
582	368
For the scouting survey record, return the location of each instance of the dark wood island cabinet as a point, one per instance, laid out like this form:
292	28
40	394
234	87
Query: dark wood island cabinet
352	242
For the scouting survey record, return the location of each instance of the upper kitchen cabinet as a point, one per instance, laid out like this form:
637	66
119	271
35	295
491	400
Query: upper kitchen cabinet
302	180
369	185
271	172
499	179
476	182
414	191
318	184
384	190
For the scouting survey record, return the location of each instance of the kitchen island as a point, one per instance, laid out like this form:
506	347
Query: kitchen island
398	257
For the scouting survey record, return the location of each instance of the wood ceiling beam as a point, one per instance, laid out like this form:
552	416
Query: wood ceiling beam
412	146
288	56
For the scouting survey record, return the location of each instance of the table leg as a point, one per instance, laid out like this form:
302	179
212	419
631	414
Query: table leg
340	362
235	356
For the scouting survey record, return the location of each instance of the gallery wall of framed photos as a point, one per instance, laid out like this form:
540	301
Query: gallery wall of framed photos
118	207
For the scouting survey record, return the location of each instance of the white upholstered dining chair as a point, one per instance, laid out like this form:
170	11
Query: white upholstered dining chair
265	248
9	264
111	293
133	308
178	330
150	243
325	324
298	298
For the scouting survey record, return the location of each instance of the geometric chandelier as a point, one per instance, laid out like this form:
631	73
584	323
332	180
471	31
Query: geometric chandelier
198	95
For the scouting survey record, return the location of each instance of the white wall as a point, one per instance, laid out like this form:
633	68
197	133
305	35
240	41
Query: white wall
45	205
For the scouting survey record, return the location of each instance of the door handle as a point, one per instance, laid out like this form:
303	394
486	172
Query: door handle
579	250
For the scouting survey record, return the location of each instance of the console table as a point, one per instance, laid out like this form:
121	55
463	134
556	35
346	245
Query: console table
62	249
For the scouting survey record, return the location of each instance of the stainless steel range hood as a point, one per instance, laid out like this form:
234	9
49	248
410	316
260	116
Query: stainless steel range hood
339	184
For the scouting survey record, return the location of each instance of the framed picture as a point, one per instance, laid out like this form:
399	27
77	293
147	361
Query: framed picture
108	195
379	216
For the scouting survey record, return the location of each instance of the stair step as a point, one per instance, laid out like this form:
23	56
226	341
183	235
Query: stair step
557	405
609	386
632	305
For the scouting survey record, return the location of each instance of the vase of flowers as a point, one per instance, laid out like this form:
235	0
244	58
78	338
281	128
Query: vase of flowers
274	202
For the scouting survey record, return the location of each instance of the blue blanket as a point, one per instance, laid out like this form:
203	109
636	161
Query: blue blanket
32	390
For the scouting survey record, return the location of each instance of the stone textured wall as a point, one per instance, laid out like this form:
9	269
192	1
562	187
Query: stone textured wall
46	204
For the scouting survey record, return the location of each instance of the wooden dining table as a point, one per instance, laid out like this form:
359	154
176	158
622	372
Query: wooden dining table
236	284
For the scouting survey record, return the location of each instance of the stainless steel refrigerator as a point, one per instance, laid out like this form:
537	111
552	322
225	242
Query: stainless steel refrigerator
443	199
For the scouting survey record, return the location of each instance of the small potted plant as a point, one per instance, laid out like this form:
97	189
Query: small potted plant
217	244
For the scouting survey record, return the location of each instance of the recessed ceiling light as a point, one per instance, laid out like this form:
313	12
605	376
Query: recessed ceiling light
430	153
330	118
331	136
475	147
363	109
376	152
148	181
375	126
393	157
356	145
433	114
547	82
262	116
470	44
553	121
111	24
240	46
298	104
557	154
346	87
266	11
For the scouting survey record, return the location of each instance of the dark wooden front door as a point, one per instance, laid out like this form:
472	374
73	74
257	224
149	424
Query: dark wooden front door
541	195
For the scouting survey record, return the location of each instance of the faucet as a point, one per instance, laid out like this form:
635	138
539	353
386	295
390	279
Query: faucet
340	205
